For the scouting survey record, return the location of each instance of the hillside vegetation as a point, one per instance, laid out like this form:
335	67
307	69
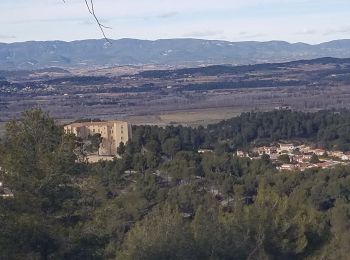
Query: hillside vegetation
164	200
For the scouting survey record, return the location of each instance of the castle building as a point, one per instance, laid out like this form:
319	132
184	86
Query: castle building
112	132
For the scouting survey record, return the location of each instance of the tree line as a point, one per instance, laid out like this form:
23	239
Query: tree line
326	129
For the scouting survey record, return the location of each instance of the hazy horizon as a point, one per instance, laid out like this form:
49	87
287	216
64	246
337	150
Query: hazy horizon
253	20
164	39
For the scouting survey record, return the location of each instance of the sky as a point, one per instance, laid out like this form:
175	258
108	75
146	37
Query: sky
310	21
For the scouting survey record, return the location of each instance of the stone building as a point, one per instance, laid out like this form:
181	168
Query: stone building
112	132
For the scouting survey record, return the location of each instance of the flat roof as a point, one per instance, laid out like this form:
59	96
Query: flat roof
96	123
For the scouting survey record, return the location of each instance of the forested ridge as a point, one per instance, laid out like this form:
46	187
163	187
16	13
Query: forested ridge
326	129
164	200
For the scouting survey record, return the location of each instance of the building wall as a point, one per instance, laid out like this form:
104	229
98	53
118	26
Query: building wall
112	133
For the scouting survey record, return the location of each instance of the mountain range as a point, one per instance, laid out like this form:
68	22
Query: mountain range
176	52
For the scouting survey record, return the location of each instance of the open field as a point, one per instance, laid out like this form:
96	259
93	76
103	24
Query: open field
193	117
192	96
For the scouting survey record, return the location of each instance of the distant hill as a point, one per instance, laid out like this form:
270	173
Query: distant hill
188	52
217	70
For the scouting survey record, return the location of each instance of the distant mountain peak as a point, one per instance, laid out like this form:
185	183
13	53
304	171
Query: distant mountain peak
184	51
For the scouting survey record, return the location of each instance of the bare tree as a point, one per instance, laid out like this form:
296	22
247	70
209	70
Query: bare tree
91	8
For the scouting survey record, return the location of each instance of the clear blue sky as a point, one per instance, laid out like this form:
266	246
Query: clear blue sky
311	21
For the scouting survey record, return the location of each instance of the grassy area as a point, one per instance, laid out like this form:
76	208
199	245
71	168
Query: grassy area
193	117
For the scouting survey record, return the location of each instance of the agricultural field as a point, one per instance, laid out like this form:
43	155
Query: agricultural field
194	117
190	96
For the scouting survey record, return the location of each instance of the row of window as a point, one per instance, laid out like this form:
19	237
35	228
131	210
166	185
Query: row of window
111	131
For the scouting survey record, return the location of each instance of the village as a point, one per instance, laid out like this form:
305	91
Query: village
290	157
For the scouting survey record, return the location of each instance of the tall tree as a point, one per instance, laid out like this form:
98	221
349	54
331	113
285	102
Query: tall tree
39	166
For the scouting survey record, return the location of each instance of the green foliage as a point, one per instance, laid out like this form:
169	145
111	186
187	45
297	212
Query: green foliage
162	235
284	158
327	128
121	149
94	143
164	200
171	146
184	166
279	227
314	159
40	169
